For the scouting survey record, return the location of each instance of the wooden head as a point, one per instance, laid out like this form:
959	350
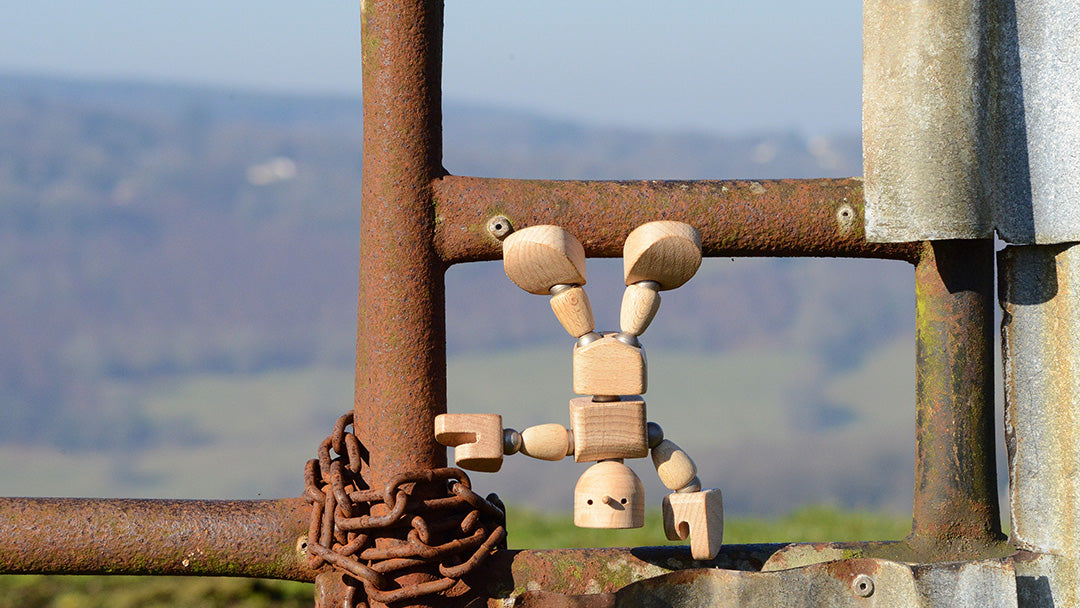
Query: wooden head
609	495
666	252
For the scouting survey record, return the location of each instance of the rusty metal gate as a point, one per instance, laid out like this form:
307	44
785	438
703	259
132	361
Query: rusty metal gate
955	95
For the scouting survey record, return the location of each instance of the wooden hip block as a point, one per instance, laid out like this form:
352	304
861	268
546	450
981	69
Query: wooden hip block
609	495
614	429
609	367
477	440
666	252
699	516
538	258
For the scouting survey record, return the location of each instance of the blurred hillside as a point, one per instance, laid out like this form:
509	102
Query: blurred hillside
177	290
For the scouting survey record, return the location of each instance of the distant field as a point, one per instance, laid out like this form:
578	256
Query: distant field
751	418
528	529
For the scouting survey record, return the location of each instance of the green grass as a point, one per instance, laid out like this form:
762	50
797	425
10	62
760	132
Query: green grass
528	528
536	530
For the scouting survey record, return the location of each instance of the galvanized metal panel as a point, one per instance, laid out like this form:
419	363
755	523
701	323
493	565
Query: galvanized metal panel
923	82
1041	341
854	582
1033	166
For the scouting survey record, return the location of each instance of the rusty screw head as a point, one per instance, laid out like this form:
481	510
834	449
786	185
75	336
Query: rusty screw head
862	586
499	227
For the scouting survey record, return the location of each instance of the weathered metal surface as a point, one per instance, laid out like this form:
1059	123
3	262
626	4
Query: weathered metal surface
923	86
856	582
818	217
357	529
956	499
910	550
1033	172
262	538
401	333
1041	340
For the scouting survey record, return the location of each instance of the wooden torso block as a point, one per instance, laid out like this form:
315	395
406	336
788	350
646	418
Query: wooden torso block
614	429
477	439
698	515
609	367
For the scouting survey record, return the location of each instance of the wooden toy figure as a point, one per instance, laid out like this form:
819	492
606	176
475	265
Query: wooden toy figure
609	423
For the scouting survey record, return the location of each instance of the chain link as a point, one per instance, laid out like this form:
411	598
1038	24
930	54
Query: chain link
451	533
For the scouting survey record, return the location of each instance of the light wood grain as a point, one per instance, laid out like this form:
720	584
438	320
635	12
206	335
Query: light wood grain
609	367
477	439
639	306
674	466
615	429
538	258
609	495
573	310
666	252
699	516
546	442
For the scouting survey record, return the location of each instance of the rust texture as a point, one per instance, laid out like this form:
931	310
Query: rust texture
401	343
257	538
956	500
401	351
812	217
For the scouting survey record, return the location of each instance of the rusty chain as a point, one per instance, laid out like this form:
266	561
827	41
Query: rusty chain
451	529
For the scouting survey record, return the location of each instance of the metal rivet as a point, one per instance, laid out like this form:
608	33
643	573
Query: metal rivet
845	216
655	434
863	586
499	227
301	545
588	338
628	338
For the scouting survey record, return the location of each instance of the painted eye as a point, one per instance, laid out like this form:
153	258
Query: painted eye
589	501
624	501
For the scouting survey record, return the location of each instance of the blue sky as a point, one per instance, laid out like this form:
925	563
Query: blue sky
714	65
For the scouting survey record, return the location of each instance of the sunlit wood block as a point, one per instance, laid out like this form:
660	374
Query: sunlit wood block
538	258
546	442
699	516
477	439
615	429
609	367
666	252
609	495
639	306
571	306
674	466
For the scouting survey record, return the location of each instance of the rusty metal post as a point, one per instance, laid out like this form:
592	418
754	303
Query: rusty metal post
401	333
401	344
956	499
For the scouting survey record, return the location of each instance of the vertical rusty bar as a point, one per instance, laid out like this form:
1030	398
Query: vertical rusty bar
956	498
401	333
401	350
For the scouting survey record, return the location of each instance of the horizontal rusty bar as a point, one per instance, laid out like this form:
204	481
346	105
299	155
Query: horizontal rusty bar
789	217
251	538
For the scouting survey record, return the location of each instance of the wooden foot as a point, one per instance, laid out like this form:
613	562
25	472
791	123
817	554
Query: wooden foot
666	252
538	258
699	516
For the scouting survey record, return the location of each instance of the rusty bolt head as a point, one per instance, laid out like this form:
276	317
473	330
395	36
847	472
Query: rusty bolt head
862	586
499	227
